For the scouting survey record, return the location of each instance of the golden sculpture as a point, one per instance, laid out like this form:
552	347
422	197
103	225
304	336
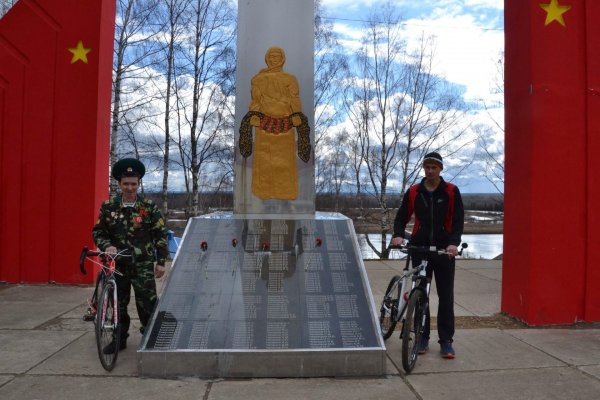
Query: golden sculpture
275	110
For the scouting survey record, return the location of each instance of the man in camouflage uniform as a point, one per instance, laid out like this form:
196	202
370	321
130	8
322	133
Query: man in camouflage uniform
129	221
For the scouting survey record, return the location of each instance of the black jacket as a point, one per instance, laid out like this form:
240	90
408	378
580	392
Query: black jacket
432	211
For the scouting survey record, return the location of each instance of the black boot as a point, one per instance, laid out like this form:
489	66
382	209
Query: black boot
110	348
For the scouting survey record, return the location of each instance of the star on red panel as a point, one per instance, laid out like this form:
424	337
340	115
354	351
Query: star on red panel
79	53
554	12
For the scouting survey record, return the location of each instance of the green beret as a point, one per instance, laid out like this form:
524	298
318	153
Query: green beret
128	167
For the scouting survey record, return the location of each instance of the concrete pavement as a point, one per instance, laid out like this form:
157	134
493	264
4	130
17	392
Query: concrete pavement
48	352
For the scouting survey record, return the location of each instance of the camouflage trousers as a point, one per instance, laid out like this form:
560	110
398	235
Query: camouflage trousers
144	287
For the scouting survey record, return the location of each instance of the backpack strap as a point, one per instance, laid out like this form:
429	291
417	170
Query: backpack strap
412	196
448	221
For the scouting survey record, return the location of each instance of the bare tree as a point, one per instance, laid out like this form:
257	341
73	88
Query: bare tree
356	104
208	113
133	51
427	115
399	111
337	165
491	151
174	11
490	136
331	67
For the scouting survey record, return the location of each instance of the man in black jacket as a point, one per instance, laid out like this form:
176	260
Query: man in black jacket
439	220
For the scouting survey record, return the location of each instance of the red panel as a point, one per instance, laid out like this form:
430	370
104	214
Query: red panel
63	128
13	65
516	265
77	156
554	156
592	299
559	120
37	137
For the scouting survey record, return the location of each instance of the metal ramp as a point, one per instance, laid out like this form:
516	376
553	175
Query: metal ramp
265	298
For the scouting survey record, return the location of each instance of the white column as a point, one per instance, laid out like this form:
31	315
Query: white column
262	24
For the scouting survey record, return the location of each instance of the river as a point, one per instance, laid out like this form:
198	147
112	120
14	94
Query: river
480	246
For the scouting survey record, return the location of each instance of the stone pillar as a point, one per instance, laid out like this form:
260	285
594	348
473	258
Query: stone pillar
263	24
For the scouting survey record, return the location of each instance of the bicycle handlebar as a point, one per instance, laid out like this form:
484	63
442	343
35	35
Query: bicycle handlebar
82	257
85	252
427	249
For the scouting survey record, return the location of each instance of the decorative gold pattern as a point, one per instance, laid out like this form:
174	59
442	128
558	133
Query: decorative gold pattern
275	125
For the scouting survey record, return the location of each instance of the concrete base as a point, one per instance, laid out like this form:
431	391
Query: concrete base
265	364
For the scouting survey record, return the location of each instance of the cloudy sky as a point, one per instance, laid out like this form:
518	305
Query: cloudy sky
469	40
469	33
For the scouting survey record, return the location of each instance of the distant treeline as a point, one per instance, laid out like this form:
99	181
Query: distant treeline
328	202
483	201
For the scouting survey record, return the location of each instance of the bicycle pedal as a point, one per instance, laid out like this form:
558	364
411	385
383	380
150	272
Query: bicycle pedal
89	316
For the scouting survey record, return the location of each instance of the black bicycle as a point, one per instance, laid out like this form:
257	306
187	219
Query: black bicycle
103	306
406	299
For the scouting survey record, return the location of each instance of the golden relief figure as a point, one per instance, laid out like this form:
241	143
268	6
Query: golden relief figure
275	113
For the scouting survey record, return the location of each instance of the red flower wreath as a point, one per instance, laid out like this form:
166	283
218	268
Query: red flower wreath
143	213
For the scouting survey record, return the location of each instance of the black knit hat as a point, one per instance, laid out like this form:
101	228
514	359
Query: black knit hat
435	157
128	167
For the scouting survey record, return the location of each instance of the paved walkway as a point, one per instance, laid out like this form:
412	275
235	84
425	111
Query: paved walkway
47	352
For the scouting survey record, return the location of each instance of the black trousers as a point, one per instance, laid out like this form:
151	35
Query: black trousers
442	269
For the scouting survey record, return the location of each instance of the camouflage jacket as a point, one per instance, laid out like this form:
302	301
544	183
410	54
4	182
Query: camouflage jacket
141	227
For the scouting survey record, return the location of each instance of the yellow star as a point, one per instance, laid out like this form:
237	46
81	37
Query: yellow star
79	53
554	12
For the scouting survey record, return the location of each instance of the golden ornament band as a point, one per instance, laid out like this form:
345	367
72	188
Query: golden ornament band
276	126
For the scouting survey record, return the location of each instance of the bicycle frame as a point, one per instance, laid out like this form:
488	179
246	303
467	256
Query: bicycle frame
414	274
422	267
107	328
107	269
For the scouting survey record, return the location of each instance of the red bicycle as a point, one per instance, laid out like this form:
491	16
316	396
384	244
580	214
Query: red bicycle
103	306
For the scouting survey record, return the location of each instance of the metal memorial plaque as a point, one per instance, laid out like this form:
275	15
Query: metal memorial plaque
253	297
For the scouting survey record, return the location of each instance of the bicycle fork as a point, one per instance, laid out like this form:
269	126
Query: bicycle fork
115	311
425	306
115	308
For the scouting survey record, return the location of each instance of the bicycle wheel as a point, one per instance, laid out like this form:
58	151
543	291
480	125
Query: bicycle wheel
389	308
108	329
413	329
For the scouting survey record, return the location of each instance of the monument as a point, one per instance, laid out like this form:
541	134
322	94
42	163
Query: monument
283	93
276	113
273	289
